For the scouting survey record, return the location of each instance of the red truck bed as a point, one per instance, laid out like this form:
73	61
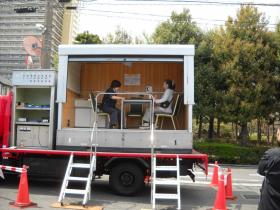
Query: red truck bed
203	158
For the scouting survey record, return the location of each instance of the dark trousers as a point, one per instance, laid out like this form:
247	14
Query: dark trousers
115	115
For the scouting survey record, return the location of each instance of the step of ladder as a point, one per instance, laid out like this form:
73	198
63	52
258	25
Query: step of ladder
80	165
75	178
91	166
166	196
166	182
166	168
86	190
156	181
75	191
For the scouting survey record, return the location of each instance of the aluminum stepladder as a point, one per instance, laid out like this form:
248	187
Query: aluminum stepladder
158	182
91	167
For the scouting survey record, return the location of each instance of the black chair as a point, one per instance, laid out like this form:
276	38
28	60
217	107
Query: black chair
135	110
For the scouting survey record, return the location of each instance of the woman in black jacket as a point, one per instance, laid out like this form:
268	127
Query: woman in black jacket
269	167
109	104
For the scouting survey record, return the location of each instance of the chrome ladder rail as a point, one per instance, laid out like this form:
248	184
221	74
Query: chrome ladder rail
156	182
154	169
91	166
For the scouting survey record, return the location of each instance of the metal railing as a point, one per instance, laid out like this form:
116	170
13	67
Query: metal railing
122	104
152	104
152	140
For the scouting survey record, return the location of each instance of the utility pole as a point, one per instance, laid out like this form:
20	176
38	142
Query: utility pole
47	36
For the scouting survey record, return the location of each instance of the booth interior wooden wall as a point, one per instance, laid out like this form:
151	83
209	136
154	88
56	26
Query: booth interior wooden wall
98	76
69	109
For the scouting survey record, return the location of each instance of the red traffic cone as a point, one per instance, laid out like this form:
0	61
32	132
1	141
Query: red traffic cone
23	191
229	193
215	176
220	201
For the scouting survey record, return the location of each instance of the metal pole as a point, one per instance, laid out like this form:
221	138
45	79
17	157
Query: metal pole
47	38
122	115
152	150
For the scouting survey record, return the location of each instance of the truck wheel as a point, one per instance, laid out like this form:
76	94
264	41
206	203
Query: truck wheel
126	179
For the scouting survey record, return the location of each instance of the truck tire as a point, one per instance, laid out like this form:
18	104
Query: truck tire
126	179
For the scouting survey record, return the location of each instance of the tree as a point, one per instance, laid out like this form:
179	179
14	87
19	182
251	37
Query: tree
87	38
178	29
147	38
55	61
209	84
120	36
247	57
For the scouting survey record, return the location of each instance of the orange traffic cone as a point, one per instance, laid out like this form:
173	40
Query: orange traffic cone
215	176
229	193
220	201
23	191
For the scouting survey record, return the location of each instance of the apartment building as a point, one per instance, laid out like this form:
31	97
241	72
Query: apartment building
47	20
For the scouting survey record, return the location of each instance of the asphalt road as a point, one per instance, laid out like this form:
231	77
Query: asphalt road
198	196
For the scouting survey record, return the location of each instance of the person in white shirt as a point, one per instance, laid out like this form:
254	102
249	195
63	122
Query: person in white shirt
164	104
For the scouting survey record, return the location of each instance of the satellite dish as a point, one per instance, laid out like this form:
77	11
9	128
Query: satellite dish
32	45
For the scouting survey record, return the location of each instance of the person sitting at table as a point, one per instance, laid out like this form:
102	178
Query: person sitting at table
162	105
109	104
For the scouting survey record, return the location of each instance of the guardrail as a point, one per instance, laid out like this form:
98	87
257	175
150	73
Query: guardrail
14	169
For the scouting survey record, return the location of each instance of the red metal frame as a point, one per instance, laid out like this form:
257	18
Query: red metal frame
194	155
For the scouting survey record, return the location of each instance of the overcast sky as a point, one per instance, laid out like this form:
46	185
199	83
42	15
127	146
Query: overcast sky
103	16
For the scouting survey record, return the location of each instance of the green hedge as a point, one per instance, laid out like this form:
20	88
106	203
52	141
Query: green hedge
230	153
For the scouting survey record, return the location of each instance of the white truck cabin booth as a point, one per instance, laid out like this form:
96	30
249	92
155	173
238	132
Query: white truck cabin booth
91	68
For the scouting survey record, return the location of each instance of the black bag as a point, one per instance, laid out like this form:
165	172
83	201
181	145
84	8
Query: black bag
164	104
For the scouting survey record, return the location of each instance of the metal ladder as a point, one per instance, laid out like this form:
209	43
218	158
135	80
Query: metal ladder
157	182
91	166
155	169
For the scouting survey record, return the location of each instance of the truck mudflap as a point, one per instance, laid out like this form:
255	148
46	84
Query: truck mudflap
200	159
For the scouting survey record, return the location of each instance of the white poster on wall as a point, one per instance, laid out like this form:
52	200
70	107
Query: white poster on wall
132	79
